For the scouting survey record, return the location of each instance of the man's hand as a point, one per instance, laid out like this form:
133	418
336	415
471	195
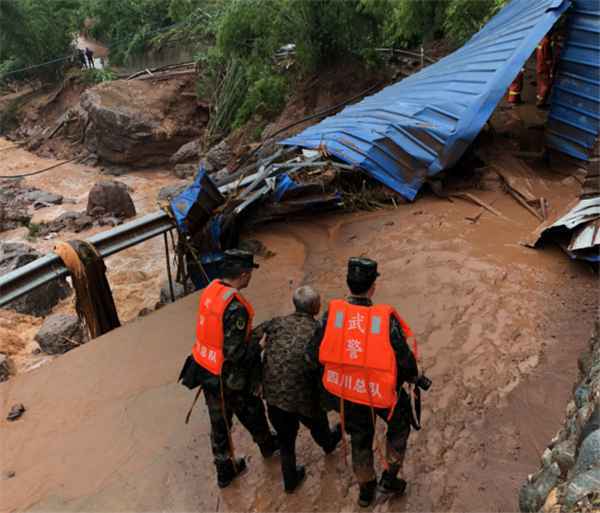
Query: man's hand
263	341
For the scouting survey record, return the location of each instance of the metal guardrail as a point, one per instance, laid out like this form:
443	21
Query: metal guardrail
49	267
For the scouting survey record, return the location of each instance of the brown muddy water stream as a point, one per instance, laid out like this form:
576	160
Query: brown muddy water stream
135	275
500	328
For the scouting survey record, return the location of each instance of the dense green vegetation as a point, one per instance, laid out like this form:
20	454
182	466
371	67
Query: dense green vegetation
35	31
235	40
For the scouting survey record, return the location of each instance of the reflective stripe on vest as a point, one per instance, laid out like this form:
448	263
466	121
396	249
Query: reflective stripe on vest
359	361
214	300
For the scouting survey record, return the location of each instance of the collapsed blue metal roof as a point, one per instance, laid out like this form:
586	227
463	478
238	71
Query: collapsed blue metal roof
424	123
574	118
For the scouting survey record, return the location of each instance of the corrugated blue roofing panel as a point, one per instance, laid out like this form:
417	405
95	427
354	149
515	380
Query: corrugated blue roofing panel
574	118
424	123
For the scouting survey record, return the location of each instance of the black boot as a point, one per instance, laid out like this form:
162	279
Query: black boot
271	447
336	436
227	472
367	493
290	487
389	483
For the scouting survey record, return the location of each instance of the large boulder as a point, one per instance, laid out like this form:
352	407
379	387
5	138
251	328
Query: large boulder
110	197
137	123
188	152
60	333
219	156
184	171
40	301
13	208
40	199
168	192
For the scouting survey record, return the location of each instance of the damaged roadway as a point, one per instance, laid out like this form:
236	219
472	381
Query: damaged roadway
500	327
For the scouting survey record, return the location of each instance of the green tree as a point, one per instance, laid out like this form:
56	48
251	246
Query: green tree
36	31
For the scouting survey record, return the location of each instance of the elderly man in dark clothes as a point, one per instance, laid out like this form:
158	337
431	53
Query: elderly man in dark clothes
288	388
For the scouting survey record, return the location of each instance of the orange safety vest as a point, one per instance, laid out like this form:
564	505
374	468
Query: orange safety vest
514	91
214	300
358	358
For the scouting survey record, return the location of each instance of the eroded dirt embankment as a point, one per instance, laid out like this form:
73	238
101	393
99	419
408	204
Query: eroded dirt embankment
499	326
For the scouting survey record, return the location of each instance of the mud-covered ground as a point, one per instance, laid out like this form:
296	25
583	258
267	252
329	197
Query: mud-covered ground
500	327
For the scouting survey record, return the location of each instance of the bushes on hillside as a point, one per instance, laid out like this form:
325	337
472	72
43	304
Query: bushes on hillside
34	32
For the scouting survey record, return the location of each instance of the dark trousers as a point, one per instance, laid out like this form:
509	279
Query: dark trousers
250	411
359	425
287	424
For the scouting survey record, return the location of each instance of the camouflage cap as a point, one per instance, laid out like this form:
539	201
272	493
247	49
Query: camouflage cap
239	259
362	269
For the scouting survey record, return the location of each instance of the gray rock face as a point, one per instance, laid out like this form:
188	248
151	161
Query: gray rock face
133	122
575	449
40	301
589	453
170	191
13	207
582	486
186	153
218	156
4	367
533	494
110	197
563	454
178	289
184	171
60	333
43	197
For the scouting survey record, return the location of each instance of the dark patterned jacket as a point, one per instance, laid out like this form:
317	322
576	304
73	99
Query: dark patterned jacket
287	381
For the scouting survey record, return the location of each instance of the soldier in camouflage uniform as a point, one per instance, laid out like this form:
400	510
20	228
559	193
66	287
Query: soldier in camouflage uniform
359	421
290	393
236	389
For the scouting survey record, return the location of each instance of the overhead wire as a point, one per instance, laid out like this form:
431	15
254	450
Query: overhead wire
113	44
39	171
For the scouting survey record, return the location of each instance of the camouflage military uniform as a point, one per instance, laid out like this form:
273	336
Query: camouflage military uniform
286	383
359	418
291	394
241	377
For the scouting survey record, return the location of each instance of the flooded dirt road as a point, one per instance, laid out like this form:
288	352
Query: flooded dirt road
500	328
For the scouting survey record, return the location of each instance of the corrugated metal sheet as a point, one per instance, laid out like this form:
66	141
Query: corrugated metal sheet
578	230
574	118
423	124
585	210
586	237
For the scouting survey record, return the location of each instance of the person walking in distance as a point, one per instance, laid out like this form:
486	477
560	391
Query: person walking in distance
90	57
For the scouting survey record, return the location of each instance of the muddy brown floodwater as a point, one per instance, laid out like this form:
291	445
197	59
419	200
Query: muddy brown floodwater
135	275
500	328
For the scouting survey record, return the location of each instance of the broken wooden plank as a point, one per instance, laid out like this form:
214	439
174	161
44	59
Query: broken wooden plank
474	219
169	75
161	68
477	201
544	208
524	204
515	173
